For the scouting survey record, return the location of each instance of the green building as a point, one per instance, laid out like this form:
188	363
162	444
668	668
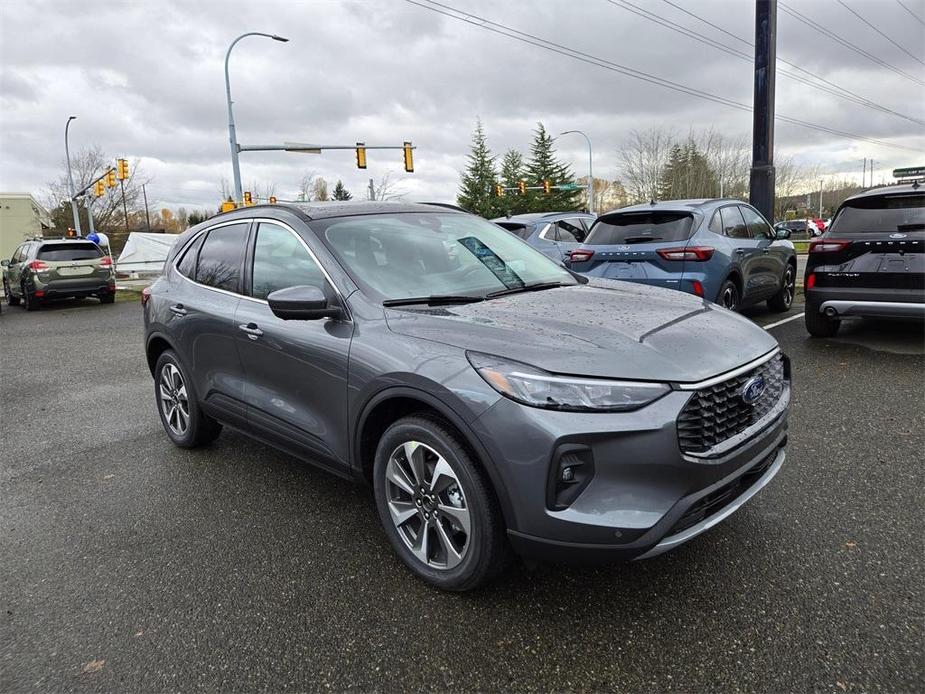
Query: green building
21	217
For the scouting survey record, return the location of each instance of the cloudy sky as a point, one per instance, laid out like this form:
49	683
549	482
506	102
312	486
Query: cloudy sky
145	80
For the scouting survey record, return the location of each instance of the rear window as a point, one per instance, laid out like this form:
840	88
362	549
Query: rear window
640	227
517	229
69	251
881	214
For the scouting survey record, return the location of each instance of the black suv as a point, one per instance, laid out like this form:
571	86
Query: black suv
870	262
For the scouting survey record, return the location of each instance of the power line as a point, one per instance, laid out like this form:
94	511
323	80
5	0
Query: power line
834	90
847	44
549	45
918	19
911	55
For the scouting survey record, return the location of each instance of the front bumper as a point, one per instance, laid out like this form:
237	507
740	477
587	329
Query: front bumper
645	495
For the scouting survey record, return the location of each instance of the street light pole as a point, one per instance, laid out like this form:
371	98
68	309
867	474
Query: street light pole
232	137
70	176
820	198
590	168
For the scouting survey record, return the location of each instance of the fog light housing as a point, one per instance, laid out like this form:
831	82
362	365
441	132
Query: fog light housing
570	472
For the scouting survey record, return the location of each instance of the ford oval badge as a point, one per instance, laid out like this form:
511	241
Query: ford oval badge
752	390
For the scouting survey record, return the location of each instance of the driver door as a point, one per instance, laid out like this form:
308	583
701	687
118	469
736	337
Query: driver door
295	371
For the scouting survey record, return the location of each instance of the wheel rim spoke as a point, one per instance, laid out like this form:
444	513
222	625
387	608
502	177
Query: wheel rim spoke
402	512
421	545
453	556
414	454
443	477
397	476
460	515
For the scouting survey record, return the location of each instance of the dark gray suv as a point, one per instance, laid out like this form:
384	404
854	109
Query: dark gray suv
492	398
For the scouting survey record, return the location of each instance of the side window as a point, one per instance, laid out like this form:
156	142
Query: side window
221	257
280	261
757	227
570	230
187	264
716	224
16	255
733	224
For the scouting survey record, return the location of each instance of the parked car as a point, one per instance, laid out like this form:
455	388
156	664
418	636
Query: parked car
721	250
800	229
554	234
42	269
492	398
871	261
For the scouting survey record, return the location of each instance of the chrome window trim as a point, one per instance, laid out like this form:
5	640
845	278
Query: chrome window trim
730	374
251	220
542	234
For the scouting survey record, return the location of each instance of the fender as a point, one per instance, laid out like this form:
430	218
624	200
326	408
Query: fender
451	416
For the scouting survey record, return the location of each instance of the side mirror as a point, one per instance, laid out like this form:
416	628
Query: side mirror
4	263
304	302
782	233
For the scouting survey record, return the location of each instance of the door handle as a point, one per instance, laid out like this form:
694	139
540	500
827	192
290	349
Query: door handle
178	310
253	332
740	251
766	251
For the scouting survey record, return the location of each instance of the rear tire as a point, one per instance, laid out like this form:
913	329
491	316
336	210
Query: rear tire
820	325
783	300
178	405
442	494
29	301
107	298
10	299
728	296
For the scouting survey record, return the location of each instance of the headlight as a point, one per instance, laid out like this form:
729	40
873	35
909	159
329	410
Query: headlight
537	388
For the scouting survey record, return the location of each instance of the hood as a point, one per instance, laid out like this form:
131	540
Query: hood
604	328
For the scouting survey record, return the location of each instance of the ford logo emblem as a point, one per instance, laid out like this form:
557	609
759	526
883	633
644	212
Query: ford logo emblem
897	236
753	390
623	248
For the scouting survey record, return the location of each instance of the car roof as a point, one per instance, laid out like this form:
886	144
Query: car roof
689	205
888	190
534	216
348	208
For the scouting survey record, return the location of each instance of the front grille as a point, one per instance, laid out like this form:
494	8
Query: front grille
718	412
725	495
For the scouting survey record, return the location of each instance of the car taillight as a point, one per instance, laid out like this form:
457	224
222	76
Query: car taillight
827	245
697	287
38	265
580	255
106	261
695	253
811	280
145	295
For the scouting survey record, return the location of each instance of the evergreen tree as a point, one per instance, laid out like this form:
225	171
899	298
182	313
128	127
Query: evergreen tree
544	166
512	171
477	185
687	174
341	192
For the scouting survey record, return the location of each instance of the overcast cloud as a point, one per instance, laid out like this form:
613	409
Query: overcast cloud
146	81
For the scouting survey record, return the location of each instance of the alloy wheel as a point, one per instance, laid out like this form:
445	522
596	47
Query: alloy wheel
788	286
427	505
729	298
173	399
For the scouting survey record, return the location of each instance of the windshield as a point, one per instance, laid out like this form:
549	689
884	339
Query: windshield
69	251
886	214
640	227
398	256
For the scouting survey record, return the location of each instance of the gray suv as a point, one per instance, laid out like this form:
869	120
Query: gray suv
493	399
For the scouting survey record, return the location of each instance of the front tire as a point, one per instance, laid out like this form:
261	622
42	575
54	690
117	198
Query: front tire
783	300
728	296
183	419
29	301
820	325
437	508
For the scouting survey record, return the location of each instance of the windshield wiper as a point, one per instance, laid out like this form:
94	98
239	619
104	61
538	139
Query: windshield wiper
536	287
641	239
434	300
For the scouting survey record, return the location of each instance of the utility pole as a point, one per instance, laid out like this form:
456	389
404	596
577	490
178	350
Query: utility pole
372	190
124	207
761	183
864	173
147	213
871	173
820	198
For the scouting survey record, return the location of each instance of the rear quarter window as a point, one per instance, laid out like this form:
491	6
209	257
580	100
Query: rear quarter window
521	230
57	252
880	214
640	227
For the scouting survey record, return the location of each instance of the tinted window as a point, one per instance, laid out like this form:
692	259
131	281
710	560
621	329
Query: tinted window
280	261
757	227
187	264
521	230
17	255
881	214
640	227
716	223
733	224
69	251
220	259
570	230
397	256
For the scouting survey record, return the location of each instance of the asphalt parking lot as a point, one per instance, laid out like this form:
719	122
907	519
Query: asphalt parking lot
131	565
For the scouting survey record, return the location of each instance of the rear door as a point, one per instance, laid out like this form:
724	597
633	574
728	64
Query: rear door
877	245
569	235
14	271
770	259
744	250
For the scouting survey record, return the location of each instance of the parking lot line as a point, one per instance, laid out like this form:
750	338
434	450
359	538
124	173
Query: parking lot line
781	322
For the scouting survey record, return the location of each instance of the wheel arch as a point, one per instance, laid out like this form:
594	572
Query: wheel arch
155	346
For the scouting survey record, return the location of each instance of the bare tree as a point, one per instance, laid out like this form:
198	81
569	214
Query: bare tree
386	189
642	158
320	190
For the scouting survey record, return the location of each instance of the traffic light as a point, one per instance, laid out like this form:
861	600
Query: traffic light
248	198
272	199
123	169
111	178
361	155
499	190
547	187
99	189
522	184
228	205
409	157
